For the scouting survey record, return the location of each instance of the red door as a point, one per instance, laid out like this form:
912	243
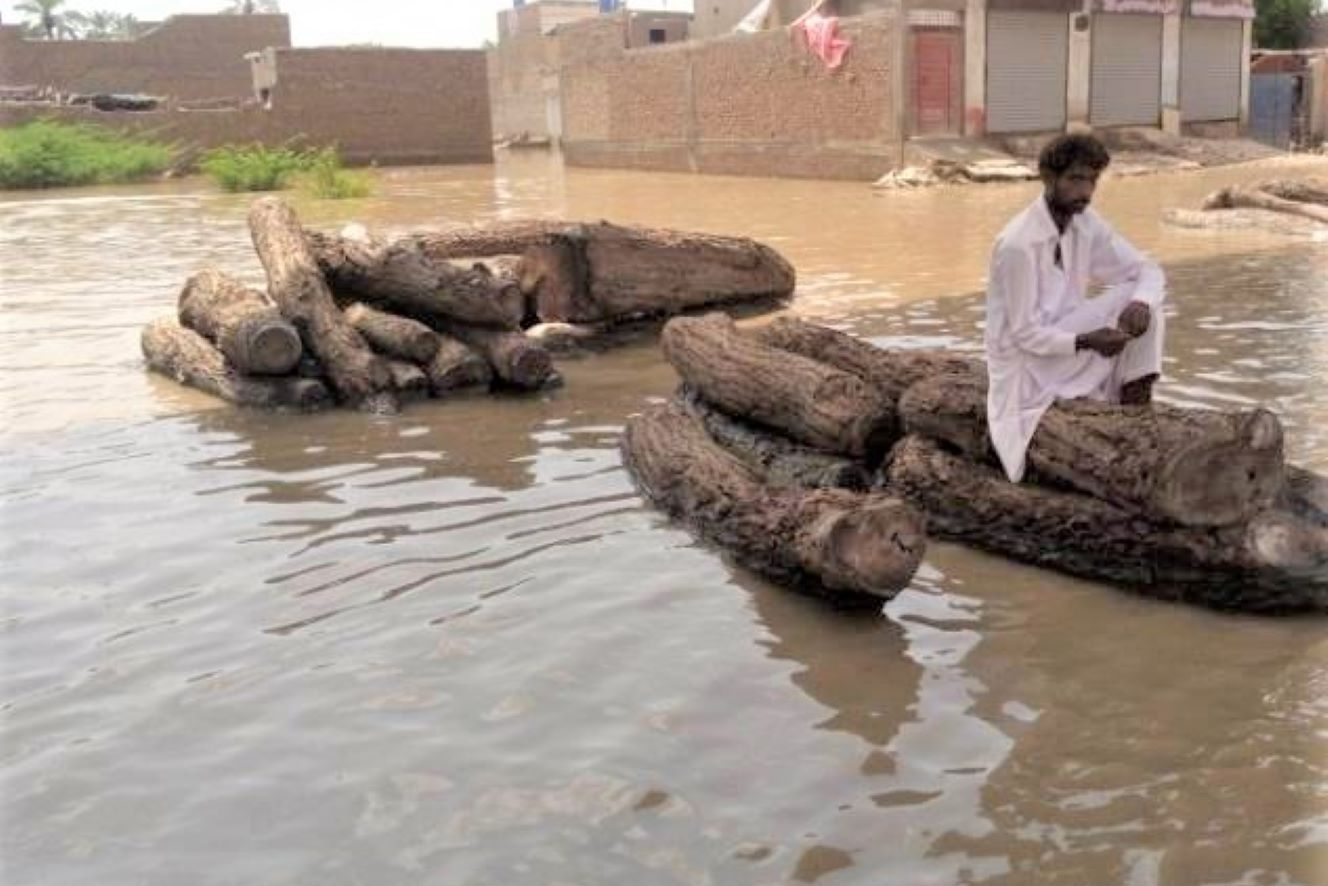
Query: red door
936	81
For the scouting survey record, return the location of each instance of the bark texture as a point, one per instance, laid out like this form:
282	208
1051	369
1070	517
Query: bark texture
515	360
398	277
184	355
776	459
809	401
1302	190
1277	562
588	273
395	336
456	366
408	380
1242	198
853	543
1188	466
887	372
359	376
243	323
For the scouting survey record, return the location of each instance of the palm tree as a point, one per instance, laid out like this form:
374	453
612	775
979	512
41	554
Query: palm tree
47	19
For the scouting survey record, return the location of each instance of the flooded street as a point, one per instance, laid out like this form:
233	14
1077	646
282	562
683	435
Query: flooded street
454	647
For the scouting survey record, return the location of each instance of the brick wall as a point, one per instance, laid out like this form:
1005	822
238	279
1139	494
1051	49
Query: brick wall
753	104
186	57
388	106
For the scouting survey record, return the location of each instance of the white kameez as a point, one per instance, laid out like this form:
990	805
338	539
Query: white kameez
1035	310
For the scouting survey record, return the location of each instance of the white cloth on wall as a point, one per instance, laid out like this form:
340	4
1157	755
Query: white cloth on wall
1036	309
756	20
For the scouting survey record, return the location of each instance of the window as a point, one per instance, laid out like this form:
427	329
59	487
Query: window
659	35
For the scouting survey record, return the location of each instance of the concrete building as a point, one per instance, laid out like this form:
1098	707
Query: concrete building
524	86
761	104
234	79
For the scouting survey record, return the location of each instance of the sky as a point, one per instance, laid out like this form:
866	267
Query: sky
437	23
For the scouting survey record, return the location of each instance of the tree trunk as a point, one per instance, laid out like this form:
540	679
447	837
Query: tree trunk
1189	466
587	273
1238	198
1278	562
408	380
775	459
809	401
359	376
189	358
456	366
394	336
1306	190
514	359
495	238
859	543
243	323
888	372
1236	219
398	277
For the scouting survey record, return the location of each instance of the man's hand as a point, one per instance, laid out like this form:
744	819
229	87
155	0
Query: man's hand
1105	341
1135	319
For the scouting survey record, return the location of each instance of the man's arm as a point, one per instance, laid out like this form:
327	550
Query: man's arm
1014	284
1112	260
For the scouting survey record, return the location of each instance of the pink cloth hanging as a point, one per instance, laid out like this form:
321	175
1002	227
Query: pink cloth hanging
822	35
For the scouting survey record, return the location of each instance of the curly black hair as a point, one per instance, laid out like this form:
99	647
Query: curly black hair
1064	151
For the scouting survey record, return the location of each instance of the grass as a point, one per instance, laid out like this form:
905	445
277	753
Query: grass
258	168
47	154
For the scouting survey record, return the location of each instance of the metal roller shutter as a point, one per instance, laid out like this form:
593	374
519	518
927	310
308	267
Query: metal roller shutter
1127	70
1210	65
1026	59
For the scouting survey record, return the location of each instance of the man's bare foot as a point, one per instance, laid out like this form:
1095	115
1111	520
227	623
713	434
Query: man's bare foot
1138	392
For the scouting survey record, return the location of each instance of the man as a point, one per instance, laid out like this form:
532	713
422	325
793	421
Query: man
1047	338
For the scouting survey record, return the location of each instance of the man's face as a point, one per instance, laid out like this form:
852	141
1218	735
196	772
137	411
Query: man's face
1070	192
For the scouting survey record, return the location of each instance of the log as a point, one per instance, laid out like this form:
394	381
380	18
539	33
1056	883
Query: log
358	375
184	355
408	380
887	372
396	276
456	366
1240	219
515	360
588	273
1188	466
808	401
1302	190
1305	495
243	323
394	336
847	542
1277	562
775	459
1242	198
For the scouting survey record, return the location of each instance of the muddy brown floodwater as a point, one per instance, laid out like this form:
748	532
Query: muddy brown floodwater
453	647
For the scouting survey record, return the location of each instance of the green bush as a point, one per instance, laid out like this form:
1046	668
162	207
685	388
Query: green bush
253	167
324	178
48	154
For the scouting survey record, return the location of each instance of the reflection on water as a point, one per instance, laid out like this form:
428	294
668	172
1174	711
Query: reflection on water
453	646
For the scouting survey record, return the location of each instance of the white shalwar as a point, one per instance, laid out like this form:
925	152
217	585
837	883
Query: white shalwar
1036	309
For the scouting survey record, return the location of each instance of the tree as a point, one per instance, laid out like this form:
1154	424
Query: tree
47	19
249	7
1283	24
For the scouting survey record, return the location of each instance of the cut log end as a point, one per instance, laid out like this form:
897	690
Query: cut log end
875	549
271	348
1220	483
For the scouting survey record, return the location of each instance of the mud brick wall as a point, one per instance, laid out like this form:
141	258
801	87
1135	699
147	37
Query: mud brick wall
388	106
186	57
518	68
748	105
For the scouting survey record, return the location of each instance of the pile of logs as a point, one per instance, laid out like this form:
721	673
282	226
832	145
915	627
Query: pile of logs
811	453
1287	206
367	322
